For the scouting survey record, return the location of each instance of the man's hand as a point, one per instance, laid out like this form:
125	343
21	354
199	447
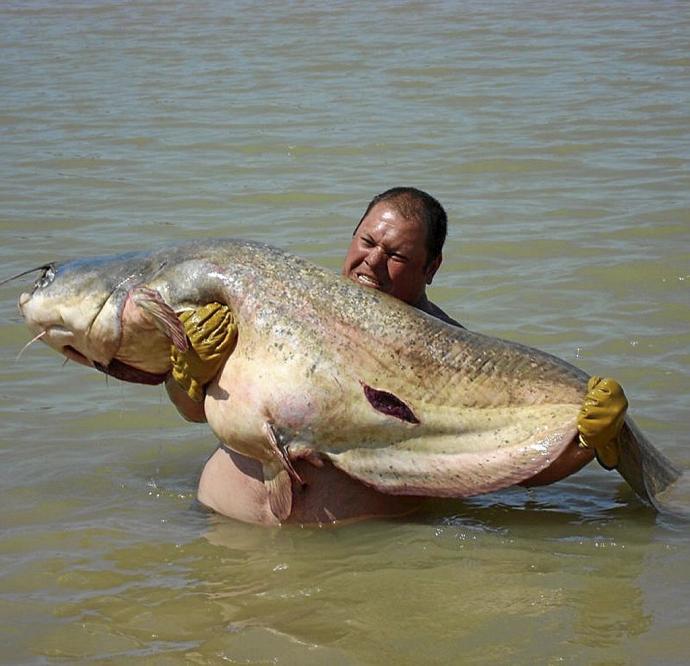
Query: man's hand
601	418
212	333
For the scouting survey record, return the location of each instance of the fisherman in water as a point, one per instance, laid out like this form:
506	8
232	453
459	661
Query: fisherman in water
396	248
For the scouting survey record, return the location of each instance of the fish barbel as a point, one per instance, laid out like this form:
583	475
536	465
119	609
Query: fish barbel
395	398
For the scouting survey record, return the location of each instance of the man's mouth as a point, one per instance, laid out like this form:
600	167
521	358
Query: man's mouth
368	281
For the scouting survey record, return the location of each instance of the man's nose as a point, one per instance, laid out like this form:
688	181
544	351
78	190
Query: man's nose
375	257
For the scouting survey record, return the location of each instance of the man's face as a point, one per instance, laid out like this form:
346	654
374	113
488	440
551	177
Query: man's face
388	253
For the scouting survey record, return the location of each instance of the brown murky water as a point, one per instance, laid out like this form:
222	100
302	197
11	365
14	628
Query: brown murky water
558	139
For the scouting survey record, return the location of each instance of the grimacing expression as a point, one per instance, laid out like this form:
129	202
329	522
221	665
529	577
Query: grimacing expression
388	252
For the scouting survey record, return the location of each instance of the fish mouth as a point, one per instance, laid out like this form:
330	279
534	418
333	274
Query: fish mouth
75	355
116	369
129	373
94	342
61	339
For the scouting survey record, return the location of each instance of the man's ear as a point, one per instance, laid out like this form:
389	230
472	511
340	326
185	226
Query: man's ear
432	268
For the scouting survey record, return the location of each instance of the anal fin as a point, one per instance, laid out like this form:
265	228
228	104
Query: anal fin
279	488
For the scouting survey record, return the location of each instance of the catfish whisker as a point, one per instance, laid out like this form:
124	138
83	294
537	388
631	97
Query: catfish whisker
23	273
28	344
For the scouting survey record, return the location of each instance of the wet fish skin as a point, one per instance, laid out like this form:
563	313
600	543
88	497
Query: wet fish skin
313	349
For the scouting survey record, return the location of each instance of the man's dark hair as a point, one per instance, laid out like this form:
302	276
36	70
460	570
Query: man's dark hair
414	204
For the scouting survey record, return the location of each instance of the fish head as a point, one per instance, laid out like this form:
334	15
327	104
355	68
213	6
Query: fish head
83	309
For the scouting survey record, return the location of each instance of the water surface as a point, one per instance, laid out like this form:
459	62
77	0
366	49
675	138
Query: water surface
558	139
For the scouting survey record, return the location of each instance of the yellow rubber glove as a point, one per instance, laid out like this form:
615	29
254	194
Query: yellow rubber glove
601	418
212	333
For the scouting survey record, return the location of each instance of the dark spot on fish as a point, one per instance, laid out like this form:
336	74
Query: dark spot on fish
389	404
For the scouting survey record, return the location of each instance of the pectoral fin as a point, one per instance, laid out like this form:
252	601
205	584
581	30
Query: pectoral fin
279	474
279	448
162	314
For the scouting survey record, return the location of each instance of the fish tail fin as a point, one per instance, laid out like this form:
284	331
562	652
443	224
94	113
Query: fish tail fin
162	314
648	471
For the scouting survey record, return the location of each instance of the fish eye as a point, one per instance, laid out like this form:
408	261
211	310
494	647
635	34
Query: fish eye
45	279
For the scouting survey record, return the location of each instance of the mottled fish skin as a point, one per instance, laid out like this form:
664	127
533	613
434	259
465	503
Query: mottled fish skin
398	399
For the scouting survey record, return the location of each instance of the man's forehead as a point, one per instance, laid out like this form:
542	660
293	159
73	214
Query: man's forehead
387	220
390	215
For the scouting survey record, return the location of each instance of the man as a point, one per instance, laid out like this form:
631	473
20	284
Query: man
396	248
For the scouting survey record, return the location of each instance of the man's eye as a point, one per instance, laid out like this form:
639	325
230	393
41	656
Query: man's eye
399	258
368	242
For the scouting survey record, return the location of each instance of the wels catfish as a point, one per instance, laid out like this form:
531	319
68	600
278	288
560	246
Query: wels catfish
323	368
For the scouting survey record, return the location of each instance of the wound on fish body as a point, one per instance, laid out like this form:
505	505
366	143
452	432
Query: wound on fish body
389	404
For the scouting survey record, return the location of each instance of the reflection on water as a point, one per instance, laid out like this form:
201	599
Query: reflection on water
391	589
557	137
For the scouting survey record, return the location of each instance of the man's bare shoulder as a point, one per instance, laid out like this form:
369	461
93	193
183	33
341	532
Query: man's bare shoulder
435	311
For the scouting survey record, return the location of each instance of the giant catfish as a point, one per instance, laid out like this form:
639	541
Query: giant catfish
399	400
